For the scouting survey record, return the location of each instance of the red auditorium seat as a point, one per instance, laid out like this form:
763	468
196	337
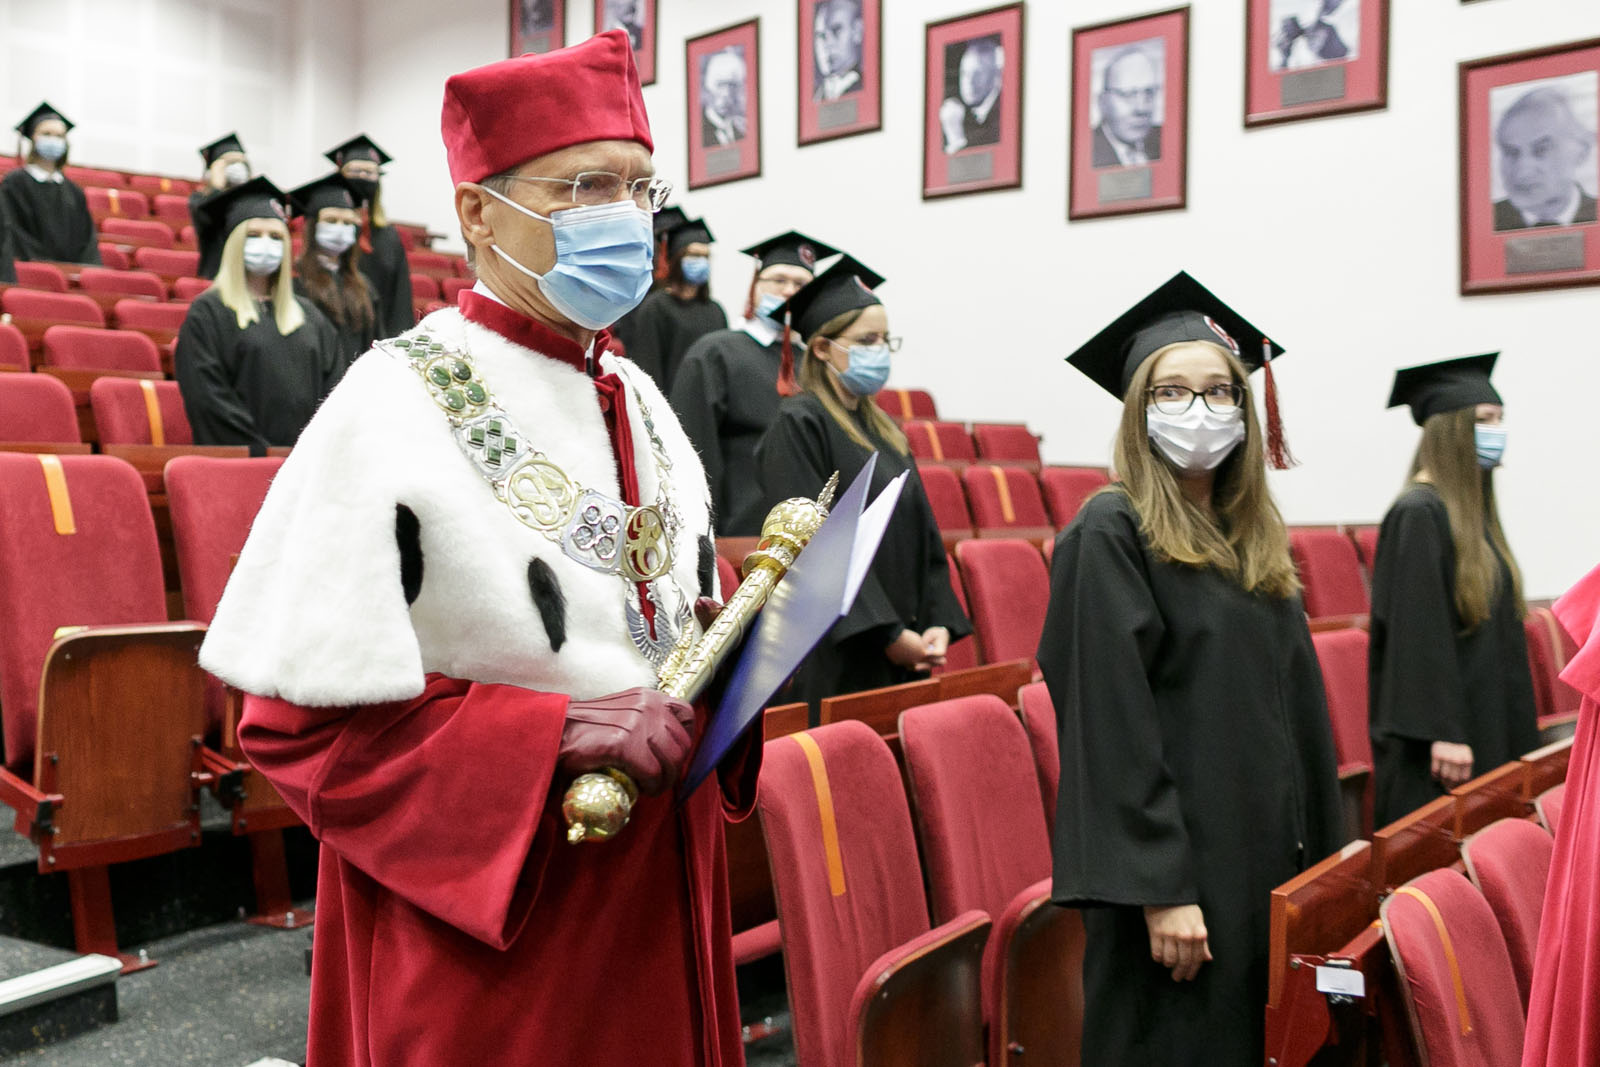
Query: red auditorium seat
184	290
435	264
1008	589
1006	502
173	261
142	314
153	233
451	288
130	411
114	258
1342	655
1455	973
1005	442
1509	861
1366	539
55	307
121	203
963	653
131	282
44	277
155	184
948	500
13	348
727	577
86	348
86	176
940	441
1330	571
908	404
424	287
1548	806
172	208
857	947
186	238
1549	649
1066	488
1039	719
37	408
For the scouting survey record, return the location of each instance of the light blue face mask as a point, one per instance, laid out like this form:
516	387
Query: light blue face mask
51	148
603	260
1491	442
868	370
766	304
696	269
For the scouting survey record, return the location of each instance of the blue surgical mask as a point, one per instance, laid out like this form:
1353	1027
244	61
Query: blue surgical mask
603	260
1491	442
766	304
696	269
868	370
263	255
51	148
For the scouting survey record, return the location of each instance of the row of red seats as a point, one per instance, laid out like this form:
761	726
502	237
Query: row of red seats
158	274
955	444
987	499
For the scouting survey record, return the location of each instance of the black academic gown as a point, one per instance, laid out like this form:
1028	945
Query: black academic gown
49	220
658	333
1197	767
726	395
908	585
206	240
1430	680
389	273
254	386
351	339
8	272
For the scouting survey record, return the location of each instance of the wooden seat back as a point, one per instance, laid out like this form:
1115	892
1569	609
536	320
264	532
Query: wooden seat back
918	1006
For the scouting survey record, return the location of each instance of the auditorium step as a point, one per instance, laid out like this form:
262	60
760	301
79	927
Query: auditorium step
47	994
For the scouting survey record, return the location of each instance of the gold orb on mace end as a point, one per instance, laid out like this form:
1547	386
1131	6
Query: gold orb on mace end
597	805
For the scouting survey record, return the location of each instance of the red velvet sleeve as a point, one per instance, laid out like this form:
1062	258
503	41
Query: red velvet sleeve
438	799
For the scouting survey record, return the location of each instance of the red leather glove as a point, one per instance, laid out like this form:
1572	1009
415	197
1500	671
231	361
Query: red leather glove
642	732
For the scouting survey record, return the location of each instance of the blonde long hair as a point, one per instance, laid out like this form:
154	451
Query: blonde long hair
814	380
234	290
1246	540
1448	456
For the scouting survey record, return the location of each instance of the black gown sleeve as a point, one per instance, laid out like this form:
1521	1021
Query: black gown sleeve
82	225
700	398
25	235
1316	754
394	283
1416	686
645	341
1120	833
8	271
939	604
217	413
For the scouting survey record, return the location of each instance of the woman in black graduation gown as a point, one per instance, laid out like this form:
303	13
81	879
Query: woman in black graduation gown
1451	691
47	213
226	166
906	615
253	360
726	388
328	270
660	330
1197	763
383	258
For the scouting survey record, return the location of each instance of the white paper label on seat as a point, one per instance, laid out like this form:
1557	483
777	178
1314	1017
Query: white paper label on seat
1343	981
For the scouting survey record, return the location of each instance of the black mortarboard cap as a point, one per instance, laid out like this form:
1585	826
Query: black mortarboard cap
687	233
257	198
845	286
792	248
1451	385
668	219
44	111
330	190
221	147
358	147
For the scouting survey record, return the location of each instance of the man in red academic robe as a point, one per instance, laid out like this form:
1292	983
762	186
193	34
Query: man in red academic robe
457	596
1564	1005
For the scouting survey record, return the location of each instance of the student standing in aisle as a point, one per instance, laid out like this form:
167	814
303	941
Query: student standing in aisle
328	270
46	213
681	311
383	253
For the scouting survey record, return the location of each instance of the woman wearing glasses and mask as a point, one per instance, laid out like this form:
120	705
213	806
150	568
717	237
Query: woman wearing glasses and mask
1450	688
383	254
906	615
1197	763
726	389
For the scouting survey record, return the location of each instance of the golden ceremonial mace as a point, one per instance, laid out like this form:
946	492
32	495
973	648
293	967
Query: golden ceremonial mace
597	805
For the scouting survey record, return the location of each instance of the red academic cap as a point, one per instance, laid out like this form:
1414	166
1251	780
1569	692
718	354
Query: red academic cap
500	116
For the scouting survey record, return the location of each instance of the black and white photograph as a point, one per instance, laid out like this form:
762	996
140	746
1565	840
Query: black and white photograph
1308	33
838	35
628	16
536	26
1126	108
974	73
722	105
840	79
1542	148
723	120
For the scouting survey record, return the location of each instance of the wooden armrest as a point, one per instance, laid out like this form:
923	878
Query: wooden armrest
920	1003
35	810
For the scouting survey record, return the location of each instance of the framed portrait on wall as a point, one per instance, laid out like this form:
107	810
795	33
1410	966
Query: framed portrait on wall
638	19
1129	147
1308	58
1529	176
538	26
841	68
972	103
724	128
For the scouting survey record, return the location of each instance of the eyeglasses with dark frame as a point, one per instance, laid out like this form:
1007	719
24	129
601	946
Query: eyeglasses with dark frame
871	340
1221	399
593	188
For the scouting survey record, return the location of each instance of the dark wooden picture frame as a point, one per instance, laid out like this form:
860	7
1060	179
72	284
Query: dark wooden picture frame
722	70
972	147
640	22
1144	166
1339	65
1529	177
844	99
537	25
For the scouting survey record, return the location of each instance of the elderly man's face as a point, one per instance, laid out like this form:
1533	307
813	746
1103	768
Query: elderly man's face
979	74
837	37
724	89
1539	155
1128	101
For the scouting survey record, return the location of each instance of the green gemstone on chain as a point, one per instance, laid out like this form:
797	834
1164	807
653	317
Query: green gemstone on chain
495	429
460	369
402	343
454	400
492	454
439	376
475	436
476	393
510	446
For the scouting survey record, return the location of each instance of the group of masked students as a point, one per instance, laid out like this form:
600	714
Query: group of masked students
263	346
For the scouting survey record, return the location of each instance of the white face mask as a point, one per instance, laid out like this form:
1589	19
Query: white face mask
335	237
262	255
236	173
49	147
1197	440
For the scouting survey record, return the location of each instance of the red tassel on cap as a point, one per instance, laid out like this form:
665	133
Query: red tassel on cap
662	266
1278	453
787	386
750	297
